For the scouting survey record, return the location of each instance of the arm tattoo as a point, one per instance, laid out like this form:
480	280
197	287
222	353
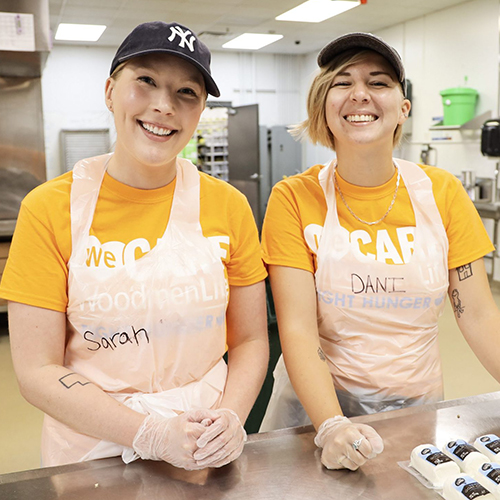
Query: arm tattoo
72	379
321	354
464	272
458	308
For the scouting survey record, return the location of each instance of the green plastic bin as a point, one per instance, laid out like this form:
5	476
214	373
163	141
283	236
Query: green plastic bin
459	105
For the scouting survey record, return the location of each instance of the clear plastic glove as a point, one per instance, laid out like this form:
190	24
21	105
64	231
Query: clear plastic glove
222	442
346	444
173	440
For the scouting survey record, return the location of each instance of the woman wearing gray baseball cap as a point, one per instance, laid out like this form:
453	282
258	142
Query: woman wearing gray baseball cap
361	254
130	277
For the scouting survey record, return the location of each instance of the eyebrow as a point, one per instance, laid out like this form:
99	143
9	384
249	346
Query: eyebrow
190	79
372	73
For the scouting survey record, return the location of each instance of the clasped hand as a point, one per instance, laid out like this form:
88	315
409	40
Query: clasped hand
346	444
193	440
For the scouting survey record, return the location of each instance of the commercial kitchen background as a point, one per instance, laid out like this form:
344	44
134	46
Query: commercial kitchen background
439	50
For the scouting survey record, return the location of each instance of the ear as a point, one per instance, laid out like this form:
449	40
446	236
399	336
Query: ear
405	111
108	93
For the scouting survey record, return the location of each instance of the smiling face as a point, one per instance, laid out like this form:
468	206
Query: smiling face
157	101
365	104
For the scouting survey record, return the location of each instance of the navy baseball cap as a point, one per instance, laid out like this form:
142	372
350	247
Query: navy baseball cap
168	38
364	41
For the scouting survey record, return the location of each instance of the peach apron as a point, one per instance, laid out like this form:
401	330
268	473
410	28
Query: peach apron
377	322
149	332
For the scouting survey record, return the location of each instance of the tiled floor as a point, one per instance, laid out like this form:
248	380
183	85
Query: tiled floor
21	423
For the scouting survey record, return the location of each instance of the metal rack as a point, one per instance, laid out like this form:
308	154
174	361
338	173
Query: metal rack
213	143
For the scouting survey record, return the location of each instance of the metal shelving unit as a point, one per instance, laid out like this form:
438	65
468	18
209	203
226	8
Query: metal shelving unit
213	143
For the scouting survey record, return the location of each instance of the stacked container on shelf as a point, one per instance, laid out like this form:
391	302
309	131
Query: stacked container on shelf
213	143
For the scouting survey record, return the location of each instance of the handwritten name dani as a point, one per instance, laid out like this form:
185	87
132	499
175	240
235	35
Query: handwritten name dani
376	285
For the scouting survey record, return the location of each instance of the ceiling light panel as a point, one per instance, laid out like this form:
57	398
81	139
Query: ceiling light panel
251	41
315	11
79	32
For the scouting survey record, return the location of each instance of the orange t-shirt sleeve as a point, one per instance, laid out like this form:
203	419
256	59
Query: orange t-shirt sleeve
245	266
36	272
283	241
467	236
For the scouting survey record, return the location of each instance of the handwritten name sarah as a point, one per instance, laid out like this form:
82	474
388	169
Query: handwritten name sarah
116	339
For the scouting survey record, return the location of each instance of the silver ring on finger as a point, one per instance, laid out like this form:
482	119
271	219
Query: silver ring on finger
357	443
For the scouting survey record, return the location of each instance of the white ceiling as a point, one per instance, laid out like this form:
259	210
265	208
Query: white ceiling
218	21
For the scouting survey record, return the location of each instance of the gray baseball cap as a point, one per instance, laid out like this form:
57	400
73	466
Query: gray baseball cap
364	41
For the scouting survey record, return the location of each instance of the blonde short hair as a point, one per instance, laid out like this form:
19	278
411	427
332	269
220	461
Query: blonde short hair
117	71
315	127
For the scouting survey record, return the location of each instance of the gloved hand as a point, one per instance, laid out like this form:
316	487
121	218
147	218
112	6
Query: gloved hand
222	442
173	439
346	444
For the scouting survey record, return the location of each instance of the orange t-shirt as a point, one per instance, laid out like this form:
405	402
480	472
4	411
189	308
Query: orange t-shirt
127	221
297	209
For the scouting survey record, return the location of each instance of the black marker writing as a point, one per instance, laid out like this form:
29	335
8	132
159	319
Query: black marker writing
457	303
464	272
321	354
377	285
71	379
116	339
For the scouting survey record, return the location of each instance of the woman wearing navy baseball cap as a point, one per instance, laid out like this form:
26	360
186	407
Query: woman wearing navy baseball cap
361	253
129	278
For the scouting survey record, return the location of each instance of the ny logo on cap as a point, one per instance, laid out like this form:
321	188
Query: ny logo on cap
177	30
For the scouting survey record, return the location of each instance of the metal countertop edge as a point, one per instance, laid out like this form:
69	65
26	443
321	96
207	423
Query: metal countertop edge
252	438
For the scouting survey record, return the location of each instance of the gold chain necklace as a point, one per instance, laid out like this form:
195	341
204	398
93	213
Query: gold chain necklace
349	208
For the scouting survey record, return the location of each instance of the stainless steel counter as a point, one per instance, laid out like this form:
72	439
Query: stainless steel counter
277	465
